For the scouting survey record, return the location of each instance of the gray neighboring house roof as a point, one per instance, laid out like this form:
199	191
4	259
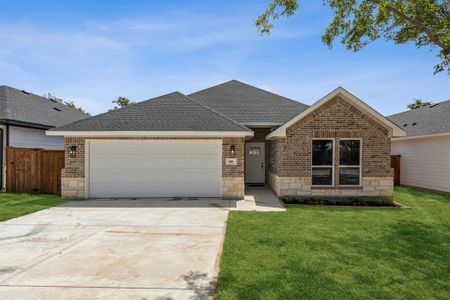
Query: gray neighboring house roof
426	120
23	108
171	112
248	104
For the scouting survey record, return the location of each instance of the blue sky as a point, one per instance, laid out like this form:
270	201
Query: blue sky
91	52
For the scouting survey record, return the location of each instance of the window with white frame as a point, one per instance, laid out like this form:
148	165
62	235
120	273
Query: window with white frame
322	162
350	162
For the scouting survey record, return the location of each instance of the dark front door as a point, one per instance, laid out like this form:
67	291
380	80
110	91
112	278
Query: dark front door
254	163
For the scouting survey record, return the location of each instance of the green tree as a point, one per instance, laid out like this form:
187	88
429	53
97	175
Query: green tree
122	102
65	102
359	22
418	103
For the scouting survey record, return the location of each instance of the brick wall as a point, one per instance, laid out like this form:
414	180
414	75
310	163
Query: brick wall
291	156
277	148
259	135
238	170
74	167
336	119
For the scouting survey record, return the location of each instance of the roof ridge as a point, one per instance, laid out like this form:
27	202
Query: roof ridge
115	110
189	105
218	113
255	87
252	86
214	86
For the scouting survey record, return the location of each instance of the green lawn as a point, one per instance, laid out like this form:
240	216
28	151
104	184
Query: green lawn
340	253
16	205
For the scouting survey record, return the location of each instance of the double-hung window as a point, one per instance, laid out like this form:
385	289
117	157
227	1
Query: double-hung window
323	162
350	162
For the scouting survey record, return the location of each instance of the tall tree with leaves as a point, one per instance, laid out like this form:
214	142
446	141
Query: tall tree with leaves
359	22
418	103
122	102
65	102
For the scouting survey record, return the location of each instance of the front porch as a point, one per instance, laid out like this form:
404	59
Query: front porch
259	198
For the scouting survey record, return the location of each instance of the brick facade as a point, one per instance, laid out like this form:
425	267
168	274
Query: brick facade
290	160
73	175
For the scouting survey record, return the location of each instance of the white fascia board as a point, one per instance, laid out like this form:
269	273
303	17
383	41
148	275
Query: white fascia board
396	131
420	136
151	133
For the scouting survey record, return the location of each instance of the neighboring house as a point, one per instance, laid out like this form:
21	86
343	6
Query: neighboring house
24	118
425	150
213	142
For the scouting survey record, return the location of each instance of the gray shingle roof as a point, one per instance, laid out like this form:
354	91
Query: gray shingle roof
248	104
20	106
425	120
171	112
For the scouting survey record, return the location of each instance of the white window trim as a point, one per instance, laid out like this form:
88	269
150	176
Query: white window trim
347	166
322	166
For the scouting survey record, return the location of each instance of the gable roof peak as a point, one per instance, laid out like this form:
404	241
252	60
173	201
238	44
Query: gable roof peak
248	104
281	131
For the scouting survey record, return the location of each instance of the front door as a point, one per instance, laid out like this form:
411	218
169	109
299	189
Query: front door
255	163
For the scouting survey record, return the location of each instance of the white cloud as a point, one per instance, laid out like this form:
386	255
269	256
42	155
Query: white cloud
93	62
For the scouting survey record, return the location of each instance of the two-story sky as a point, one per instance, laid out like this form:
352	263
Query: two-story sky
91	52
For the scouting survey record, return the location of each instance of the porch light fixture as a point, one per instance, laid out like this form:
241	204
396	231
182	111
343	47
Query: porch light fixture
232	150
72	151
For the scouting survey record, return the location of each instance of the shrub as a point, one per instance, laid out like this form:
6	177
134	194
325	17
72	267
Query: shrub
353	201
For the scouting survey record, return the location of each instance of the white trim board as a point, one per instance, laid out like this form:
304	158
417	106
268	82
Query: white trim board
420	136
281	131
218	134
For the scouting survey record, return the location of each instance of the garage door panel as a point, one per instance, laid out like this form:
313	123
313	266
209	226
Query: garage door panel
160	163
155	168
142	191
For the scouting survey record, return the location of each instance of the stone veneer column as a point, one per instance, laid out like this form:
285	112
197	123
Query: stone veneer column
72	176
233	186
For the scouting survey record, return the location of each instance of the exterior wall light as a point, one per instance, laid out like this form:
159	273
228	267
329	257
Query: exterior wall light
232	150
72	151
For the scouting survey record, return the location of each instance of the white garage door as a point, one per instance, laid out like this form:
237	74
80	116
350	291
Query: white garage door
154	168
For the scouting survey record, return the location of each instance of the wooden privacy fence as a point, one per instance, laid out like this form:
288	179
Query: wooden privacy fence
395	164
34	170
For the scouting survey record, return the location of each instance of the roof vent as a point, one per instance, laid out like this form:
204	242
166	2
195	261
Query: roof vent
434	105
404	125
57	109
53	100
25	92
414	124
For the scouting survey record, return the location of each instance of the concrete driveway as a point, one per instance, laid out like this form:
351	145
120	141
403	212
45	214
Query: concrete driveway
115	249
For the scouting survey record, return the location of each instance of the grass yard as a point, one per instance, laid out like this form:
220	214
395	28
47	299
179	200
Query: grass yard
16	205
340	253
